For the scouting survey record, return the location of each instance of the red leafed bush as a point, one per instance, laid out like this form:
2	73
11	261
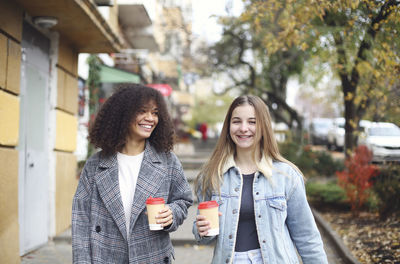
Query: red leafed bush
356	177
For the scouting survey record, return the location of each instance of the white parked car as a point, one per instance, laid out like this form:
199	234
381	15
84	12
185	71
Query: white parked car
336	134
319	130
383	139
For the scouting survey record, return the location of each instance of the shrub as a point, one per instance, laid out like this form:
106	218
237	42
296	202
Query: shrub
325	165
387	188
289	150
326	195
356	178
305	159
311	163
373	201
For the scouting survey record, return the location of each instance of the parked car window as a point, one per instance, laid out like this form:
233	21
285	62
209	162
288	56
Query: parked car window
384	131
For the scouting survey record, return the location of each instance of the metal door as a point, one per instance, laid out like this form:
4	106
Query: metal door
33	145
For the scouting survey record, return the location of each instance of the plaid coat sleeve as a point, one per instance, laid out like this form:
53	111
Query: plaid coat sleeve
180	194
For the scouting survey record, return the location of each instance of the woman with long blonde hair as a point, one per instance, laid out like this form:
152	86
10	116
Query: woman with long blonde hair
264	213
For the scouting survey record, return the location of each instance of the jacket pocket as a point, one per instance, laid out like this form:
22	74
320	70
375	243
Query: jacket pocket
279	204
277	211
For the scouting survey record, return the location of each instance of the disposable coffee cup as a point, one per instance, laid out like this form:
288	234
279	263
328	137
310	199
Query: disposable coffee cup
209	209
154	206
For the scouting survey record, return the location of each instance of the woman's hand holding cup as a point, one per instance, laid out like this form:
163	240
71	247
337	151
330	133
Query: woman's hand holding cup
202	225
207	221
165	216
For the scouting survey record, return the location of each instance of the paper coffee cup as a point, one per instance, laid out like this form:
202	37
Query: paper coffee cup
154	206
209	209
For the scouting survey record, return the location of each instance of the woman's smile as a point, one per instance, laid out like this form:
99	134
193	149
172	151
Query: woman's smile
147	127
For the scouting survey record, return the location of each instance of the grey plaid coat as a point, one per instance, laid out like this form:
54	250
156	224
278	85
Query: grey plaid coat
98	222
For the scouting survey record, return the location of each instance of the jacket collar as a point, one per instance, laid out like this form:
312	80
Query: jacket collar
111	161
264	166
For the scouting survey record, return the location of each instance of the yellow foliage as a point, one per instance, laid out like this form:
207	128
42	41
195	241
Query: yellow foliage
377	74
357	100
354	4
349	96
304	46
352	123
364	67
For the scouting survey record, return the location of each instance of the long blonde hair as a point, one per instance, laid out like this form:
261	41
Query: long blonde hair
211	175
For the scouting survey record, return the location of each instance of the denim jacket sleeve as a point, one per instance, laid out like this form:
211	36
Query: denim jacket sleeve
302	226
180	195
81	219
205	239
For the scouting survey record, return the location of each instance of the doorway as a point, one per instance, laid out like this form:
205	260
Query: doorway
33	140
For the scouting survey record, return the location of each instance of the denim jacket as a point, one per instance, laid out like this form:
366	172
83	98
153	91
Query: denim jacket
283	217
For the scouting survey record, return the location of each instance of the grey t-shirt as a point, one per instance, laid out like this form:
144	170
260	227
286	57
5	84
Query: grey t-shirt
247	237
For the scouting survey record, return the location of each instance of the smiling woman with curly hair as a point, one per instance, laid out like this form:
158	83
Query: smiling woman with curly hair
109	223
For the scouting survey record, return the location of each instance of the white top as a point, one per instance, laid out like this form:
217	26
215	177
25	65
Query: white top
128	171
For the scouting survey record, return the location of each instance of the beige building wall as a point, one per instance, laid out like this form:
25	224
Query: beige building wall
9	228
66	134
11	20
66	183
10	67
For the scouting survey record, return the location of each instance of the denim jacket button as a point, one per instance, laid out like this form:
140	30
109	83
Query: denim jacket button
227	261
263	241
236	189
230	236
259	216
234	211
257	193
98	229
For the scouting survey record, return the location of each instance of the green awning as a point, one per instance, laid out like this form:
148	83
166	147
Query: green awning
113	75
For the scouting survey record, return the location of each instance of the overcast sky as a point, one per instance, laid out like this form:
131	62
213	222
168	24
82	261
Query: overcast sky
204	20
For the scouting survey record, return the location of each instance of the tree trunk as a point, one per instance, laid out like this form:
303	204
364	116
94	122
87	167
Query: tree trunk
349	115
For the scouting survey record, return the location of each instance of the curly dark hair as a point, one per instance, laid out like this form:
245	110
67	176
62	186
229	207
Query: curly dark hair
112	123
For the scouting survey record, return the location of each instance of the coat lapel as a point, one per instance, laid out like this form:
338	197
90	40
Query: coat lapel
107	184
150	177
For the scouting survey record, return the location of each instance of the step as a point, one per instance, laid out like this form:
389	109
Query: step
192	163
191	174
